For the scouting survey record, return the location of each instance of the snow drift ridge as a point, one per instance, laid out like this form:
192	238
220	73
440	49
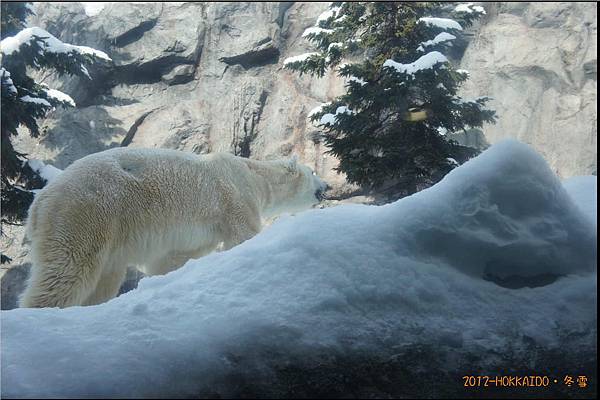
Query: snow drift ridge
345	280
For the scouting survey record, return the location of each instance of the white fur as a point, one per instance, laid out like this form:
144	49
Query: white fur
154	209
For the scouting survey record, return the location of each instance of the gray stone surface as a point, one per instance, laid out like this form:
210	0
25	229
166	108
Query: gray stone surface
538	62
205	76
210	77
12	285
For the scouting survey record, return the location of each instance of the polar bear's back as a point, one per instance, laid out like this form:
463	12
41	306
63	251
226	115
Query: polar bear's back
128	190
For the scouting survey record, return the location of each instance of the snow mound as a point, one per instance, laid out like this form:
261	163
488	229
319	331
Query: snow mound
317	109
348	280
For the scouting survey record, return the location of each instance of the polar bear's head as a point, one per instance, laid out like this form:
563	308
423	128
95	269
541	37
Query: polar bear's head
295	187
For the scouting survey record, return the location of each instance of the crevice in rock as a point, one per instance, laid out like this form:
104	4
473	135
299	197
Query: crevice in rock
135	34
198	52
133	130
549	79
254	58
150	72
242	144
224	71
179	75
283	8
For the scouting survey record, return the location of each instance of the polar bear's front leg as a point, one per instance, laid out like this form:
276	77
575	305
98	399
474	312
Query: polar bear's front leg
168	263
242	224
108	285
176	259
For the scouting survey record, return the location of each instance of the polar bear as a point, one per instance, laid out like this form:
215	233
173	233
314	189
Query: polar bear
152	208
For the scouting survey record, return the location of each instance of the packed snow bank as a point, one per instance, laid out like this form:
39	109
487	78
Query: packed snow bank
583	190
351	280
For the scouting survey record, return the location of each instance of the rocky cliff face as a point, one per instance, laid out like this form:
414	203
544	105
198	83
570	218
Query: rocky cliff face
539	63
189	76
207	77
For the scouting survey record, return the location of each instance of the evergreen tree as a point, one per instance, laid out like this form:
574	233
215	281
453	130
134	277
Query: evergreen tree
401	97
24	100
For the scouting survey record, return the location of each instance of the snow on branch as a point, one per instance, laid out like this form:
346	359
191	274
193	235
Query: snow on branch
360	81
442	23
477	102
427	61
317	109
48	43
7	81
299	58
469	8
326	15
332	118
440	38
60	96
36	100
315	30
337	45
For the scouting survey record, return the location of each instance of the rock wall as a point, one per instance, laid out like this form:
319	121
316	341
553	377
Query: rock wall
207	77
200	77
539	63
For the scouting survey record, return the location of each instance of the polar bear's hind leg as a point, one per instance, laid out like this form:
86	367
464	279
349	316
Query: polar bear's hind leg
59	284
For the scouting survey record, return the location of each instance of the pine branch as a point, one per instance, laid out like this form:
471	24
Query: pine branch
403	67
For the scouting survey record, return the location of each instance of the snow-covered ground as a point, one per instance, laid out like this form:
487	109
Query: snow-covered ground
349	280
583	190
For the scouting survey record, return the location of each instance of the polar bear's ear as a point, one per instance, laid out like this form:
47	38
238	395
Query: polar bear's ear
292	164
